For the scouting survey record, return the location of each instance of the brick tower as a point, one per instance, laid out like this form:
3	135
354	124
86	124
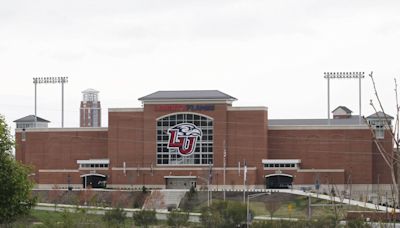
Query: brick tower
90	114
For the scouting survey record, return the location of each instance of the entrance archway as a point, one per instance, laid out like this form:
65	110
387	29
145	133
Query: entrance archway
94	180
278	181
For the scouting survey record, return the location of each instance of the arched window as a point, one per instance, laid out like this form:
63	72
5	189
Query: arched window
185	139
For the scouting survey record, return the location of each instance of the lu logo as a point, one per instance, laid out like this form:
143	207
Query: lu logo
183	137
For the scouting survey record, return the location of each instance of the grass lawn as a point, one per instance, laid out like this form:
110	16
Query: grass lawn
39	218
298	204
299	208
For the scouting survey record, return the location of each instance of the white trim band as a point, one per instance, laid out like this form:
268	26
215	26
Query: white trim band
81	129
179	168
93	174
93	161
58	171
281	161
248	108
125	110
317	127
180	177
320	170
278	174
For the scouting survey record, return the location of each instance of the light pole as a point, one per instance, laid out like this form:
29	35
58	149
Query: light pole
248	205
208	188
344	75
51	80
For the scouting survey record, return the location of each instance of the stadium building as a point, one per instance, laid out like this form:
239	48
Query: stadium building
179	139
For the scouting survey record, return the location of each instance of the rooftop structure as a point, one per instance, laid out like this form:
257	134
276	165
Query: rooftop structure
31	122
190	95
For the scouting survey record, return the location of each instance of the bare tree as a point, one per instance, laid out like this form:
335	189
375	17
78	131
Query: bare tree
273	203
390	157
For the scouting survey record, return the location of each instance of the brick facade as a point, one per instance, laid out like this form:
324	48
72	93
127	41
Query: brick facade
331	155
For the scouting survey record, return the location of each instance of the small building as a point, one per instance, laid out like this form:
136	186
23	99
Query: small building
31	122
341	112
380	121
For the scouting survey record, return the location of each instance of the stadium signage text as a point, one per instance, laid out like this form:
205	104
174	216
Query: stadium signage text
182	108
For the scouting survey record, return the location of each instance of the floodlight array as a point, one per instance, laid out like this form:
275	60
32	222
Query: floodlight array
44	80
344	75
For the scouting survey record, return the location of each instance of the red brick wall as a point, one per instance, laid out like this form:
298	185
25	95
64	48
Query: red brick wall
381	172
132	138
351	150
59	150
125	139
248	140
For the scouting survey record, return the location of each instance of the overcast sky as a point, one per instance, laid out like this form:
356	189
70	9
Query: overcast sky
265	53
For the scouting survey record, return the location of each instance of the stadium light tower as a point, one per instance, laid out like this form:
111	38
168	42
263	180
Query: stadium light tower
344	75
51	80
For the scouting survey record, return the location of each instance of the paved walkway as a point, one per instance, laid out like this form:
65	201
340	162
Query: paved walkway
319	196
338	200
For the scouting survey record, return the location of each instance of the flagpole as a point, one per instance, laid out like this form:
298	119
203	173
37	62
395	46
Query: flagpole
224	171
209	183
244	181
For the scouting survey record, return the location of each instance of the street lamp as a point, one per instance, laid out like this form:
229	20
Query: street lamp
248	205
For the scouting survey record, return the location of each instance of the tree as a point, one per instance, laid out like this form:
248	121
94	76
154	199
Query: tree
390	157
192	193
272	205
144	218
237	213
210	217
177	219
15	188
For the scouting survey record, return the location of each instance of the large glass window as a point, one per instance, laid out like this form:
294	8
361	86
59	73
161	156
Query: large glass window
203	150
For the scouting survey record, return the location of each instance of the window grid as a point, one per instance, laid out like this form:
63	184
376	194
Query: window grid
203	154
286	165
93	165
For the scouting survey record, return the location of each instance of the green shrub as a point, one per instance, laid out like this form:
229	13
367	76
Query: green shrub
357	224
68	219
144	218
115	217
224	214
177	218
